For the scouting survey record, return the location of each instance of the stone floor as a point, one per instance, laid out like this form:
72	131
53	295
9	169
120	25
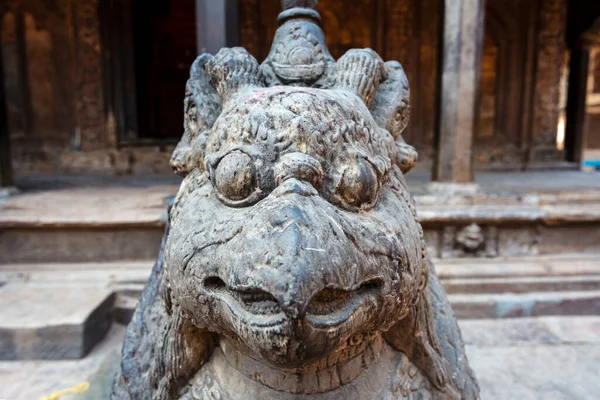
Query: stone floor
548	358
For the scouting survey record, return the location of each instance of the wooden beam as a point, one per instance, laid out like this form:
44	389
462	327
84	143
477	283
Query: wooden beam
216	25
460	69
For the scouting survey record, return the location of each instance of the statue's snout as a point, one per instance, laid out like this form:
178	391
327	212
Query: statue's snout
290	278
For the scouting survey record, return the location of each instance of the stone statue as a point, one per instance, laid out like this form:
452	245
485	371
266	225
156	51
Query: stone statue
293	266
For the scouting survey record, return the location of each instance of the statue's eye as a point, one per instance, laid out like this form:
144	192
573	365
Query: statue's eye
358	184
235	176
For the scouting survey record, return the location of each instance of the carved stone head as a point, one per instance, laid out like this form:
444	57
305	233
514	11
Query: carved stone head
294	245
293	233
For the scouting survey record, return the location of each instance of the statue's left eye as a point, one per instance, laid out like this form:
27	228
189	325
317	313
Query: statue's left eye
235	176
358	184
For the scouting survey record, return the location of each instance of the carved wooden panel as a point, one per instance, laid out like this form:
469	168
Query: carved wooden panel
488	88
411	37
12	36
41	66
249	25
349	24
550	59
595	71
506	79
88	64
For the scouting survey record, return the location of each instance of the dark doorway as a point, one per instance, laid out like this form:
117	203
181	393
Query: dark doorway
164	42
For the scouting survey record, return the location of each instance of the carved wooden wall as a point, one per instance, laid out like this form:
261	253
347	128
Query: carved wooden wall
59	101
53	73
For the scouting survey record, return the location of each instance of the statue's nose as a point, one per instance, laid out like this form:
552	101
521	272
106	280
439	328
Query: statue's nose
285	273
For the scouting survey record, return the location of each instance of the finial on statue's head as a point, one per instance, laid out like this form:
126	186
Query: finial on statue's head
299	54
296	9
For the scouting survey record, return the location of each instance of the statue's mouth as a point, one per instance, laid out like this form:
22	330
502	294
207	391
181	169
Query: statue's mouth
328	308
333	307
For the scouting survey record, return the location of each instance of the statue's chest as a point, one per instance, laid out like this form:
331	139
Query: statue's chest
391	380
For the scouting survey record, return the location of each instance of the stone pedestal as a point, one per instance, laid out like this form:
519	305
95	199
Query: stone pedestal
460	73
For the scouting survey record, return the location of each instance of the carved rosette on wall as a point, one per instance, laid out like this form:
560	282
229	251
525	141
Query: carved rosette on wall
294	264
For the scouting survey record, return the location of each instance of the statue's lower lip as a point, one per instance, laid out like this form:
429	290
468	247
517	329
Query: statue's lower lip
270	316
341	315
258	308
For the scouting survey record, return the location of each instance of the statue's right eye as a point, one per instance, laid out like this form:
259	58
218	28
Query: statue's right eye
235	178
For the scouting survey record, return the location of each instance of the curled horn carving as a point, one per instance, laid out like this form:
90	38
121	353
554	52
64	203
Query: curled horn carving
360	71
391	110
202	106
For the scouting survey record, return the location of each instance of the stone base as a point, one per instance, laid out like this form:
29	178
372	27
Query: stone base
52	322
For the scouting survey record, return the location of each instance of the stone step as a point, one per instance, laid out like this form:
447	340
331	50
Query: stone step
522	284
79	244
548	330
532	266
38	321
109	273
509	305
84	224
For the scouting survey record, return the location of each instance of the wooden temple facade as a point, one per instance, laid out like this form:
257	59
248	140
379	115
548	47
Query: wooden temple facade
97	85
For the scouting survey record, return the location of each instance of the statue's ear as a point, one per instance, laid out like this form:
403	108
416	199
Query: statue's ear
391	110
360	71
231	70
202	106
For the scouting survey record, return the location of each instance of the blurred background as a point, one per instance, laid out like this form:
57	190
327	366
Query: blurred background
505	117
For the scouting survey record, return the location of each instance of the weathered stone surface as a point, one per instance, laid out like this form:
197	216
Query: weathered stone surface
294	266
52	322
